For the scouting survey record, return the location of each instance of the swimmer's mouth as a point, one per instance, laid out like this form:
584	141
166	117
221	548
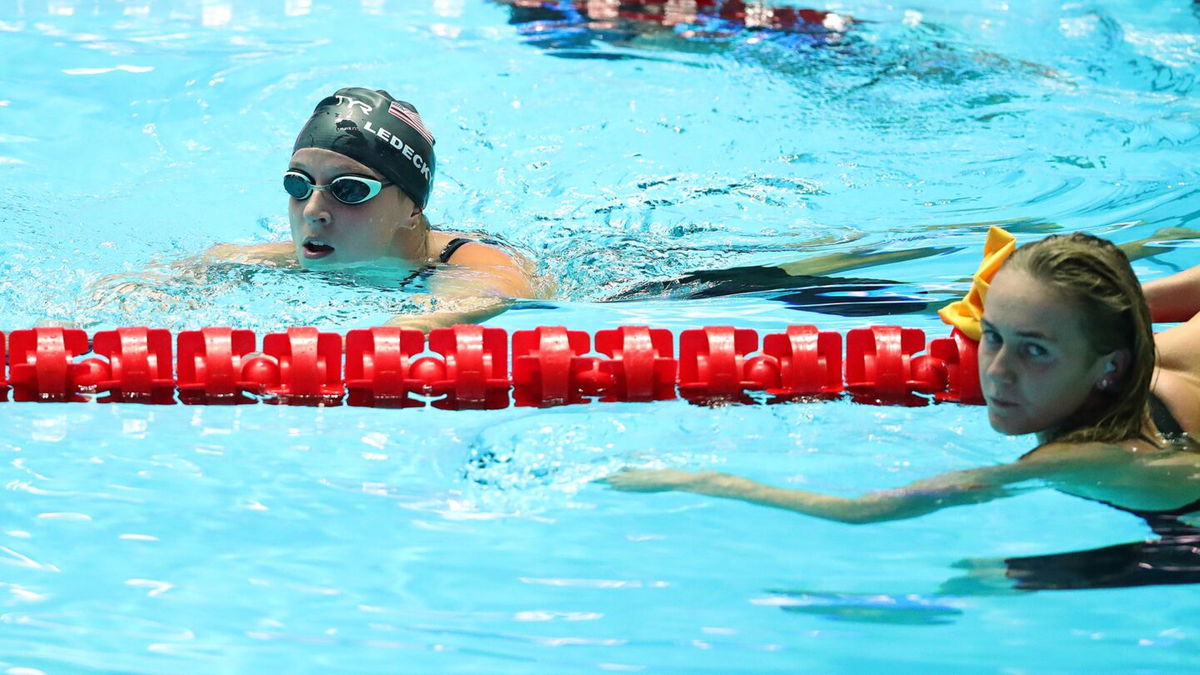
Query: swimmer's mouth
315	248
1001	402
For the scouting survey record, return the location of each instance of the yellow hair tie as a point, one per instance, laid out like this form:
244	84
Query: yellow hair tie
965	314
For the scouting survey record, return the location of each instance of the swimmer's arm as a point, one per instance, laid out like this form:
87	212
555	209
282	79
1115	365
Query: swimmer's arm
115	286
449	312
281	254
1174	298
837	263
273	253
957	488
1153	245
1134	474
1177	351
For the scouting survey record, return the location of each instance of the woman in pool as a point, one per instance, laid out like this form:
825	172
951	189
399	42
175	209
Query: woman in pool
359	180
358	183
1067	353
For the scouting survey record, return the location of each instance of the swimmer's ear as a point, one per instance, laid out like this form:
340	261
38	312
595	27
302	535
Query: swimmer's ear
414	218
1116	364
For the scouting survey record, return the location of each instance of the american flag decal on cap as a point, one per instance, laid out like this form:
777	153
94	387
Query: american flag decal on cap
411	118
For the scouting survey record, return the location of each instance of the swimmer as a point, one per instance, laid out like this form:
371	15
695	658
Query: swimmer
1068	354
358	183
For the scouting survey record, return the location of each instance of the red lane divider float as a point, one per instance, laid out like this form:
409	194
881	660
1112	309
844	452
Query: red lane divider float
136	365
641	364
550	367
40	365
467	366
210	365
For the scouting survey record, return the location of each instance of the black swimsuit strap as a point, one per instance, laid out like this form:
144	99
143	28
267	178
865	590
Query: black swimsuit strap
454	244
1163	419
444	257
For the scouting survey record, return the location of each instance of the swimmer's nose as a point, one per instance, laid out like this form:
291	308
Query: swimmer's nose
998	369
316	210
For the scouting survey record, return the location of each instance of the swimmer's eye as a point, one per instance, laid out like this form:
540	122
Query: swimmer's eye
1031	350
1034	350
345	189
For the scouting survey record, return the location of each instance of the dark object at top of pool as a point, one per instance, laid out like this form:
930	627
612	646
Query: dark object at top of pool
842	296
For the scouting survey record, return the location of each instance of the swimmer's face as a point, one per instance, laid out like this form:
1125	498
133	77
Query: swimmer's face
328	233
1036	364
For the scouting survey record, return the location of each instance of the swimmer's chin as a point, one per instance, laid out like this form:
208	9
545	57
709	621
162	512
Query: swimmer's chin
306	263
333	262
1011	427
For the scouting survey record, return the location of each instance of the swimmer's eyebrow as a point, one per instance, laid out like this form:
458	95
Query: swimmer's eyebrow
341	170
1037	335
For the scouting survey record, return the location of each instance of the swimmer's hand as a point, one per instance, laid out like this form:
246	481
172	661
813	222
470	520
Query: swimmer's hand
653	480
447	312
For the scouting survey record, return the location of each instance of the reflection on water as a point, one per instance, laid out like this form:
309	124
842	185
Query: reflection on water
911	609
565	25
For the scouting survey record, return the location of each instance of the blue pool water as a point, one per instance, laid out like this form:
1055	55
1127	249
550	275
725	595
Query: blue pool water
134	134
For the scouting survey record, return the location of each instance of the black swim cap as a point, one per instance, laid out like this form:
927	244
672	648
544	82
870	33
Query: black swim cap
377	130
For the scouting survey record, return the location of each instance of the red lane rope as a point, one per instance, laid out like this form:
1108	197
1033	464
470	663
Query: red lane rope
468	366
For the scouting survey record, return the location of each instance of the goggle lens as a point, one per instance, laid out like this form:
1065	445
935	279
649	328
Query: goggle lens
345	189
351	190
296	185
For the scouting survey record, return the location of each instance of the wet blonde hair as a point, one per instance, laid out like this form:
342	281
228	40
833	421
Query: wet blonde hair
1096	277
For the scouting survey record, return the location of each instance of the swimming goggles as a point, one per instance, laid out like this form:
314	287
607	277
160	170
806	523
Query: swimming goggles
345	189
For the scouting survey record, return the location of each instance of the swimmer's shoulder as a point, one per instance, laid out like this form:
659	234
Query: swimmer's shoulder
1066	455
469	249
507	272
1134	474
1087	462
1179	391
1177	377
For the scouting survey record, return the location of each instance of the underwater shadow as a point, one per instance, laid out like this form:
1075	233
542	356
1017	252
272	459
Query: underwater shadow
1173	558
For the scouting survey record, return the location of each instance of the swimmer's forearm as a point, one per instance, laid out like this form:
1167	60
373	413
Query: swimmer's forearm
1153	245
836	263
874	507
1175	298
956	488
447	318
274	253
